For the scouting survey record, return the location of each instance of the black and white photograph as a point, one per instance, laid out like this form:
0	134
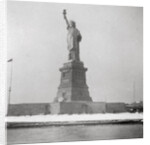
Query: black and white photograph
74	72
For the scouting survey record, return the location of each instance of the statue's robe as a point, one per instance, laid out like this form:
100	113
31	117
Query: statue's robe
73	39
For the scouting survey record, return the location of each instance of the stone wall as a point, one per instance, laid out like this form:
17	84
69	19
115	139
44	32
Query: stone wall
75	108
28	109
97	107
79	107
116	107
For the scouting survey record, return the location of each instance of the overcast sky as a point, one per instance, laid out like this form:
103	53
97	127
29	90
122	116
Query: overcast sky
111	49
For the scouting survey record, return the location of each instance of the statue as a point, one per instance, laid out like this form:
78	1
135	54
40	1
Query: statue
73	39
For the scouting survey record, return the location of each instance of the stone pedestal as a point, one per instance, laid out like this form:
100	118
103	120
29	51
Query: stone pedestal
73	85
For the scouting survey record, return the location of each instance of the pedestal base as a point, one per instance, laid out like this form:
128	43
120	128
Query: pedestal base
73	85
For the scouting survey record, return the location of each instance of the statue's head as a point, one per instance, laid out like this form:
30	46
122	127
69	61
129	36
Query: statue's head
72	23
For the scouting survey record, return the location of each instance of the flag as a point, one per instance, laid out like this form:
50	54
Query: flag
10	60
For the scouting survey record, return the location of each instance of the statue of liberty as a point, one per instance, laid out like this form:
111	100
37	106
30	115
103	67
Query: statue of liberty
73	39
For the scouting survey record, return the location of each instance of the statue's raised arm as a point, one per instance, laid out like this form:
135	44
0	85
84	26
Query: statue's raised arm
65	17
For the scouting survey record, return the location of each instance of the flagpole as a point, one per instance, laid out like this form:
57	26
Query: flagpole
10	83
134	97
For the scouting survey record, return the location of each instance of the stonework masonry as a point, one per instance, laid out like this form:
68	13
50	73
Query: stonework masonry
73	85
78	107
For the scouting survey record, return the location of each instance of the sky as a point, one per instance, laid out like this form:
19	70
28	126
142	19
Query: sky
111	49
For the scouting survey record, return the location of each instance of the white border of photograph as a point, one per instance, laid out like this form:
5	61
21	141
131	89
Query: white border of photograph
146	50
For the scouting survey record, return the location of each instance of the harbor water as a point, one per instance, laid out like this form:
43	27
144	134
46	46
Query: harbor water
74	133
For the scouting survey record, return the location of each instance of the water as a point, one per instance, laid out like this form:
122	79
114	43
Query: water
74	133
